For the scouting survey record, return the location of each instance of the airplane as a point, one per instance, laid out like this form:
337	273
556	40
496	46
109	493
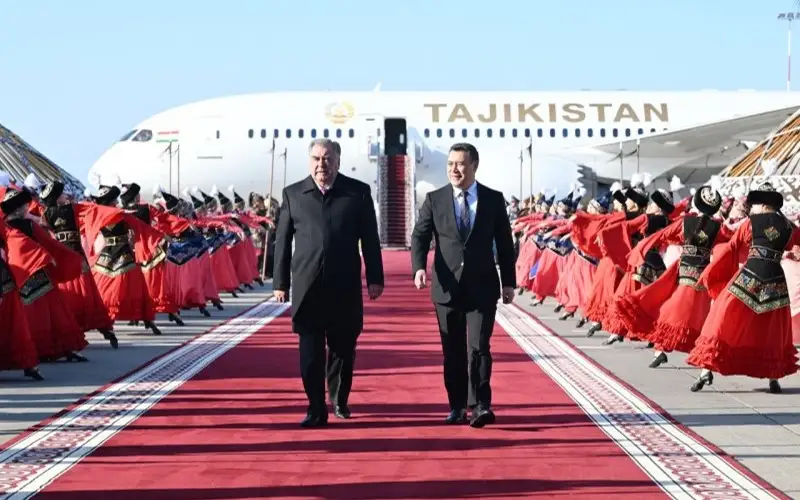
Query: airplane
528	141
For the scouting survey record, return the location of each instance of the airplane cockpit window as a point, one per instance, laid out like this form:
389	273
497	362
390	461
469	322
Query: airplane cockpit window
127	136
143	136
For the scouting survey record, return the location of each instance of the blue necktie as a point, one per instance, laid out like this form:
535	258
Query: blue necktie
463	218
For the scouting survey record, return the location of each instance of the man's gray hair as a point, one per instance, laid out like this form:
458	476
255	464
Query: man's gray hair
327	144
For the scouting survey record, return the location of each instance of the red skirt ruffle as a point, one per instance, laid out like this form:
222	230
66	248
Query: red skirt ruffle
210	287
736	341
546	279
606	279
17	348
126	295
224	272
86	303
53	327
528	255
159	288
190	283
581	277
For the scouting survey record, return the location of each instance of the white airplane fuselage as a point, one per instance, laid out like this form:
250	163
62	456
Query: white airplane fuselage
229	141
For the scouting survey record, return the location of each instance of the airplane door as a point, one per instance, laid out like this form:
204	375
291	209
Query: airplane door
395	137
208	134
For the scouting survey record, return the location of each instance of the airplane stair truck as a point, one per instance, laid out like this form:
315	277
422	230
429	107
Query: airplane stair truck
396	194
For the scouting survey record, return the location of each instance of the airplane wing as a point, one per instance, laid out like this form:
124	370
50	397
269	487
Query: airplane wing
714	143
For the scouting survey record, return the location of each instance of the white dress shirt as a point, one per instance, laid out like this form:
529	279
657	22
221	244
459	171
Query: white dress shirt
458	202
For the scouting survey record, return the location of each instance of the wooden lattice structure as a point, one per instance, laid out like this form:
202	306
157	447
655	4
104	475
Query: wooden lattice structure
18	159
782	145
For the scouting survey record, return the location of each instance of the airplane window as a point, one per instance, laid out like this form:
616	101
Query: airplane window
143	136
627	132
217	134
602	132
641	131
552	132
325	133
477	132
263	133
288	133
452	133
250	133
539	133
276	133
427	132
615	133
127	136
513	132
463	132
565	133
652	131
590	132
351	133
502	132
313	132
577	132
300	133
527	132
488	132
438	132
338	133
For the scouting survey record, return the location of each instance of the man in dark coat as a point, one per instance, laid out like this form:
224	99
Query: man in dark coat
327	214
467	219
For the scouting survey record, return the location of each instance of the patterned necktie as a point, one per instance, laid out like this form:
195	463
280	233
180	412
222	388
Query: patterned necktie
463	218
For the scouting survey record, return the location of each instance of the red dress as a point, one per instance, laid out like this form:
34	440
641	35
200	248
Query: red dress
84	299
749	328
17	348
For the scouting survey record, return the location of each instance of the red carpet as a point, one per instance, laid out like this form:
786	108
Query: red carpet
231	431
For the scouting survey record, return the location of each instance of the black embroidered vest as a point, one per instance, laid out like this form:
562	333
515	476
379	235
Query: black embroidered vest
761	283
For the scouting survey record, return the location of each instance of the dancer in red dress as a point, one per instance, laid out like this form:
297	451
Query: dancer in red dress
22	258
85	302
749	328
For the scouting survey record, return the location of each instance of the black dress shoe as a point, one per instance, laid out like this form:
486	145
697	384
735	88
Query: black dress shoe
341	411
482	417
314	420
456	417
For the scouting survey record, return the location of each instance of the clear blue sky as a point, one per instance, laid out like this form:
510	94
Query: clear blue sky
77	74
